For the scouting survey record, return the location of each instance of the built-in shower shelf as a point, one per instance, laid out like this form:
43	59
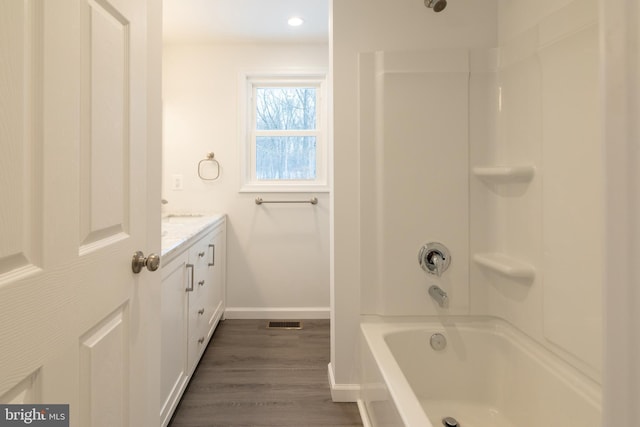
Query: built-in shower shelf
505	265
504	173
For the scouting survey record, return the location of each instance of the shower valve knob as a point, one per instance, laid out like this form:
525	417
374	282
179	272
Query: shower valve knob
434	258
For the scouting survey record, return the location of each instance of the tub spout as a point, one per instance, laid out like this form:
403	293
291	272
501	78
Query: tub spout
439	295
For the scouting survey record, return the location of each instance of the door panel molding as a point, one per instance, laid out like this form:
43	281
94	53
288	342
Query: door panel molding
105	144
21	135
26	391
104	372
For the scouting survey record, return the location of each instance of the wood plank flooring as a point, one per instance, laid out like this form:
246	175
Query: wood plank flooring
253	376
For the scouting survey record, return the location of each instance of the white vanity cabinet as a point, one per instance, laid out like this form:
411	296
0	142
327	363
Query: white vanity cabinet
193	302
205	292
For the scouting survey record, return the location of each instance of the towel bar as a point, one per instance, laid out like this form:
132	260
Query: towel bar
313	201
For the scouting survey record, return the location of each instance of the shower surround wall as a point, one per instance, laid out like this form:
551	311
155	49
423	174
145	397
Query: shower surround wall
414	121
384	177
553	222
497	157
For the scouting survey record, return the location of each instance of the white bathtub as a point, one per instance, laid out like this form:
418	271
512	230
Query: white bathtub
489	375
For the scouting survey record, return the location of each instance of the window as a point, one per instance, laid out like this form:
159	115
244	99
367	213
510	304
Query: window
285	135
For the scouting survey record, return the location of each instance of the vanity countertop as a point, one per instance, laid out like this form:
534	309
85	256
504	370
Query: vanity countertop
179	229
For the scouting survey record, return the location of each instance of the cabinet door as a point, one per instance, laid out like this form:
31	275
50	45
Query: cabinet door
215	292
173	361
197	301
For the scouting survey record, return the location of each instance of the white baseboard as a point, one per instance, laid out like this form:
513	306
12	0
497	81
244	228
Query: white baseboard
282	313
342	392
364	414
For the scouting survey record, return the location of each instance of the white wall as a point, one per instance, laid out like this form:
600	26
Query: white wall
368	26
278	255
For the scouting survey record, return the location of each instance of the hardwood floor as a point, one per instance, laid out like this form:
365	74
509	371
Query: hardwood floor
253	376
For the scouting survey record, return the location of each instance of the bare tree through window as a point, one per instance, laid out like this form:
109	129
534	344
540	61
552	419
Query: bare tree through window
286	128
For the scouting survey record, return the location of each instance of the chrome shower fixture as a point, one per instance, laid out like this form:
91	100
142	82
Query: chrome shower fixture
434	258
436	5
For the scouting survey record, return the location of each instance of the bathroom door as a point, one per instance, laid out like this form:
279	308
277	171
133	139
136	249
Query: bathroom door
78	137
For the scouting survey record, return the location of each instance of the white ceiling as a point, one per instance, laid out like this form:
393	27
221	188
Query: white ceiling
245	21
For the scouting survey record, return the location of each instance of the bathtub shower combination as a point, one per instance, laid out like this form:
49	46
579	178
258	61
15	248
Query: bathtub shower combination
469	372
495	152
466	371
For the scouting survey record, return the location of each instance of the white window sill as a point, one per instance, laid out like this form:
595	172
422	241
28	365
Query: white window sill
284	188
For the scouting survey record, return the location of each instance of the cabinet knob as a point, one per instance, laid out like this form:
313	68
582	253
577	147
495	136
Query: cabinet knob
200	340
201	283
201	254
201	311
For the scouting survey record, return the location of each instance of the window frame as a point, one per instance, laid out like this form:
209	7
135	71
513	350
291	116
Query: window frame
249	82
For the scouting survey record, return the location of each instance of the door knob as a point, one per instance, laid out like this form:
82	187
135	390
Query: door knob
152	262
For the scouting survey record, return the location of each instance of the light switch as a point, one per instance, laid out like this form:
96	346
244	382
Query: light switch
177	182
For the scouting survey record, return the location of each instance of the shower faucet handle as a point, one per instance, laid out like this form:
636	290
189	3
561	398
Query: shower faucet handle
434	258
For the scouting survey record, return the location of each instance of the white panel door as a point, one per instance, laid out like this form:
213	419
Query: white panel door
74	205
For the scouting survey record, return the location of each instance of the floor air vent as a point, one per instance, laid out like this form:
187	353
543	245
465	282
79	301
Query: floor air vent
284	324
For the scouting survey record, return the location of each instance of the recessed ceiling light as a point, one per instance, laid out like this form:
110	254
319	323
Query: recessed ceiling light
295	21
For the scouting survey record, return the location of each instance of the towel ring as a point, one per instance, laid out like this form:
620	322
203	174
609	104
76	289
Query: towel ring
210	158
